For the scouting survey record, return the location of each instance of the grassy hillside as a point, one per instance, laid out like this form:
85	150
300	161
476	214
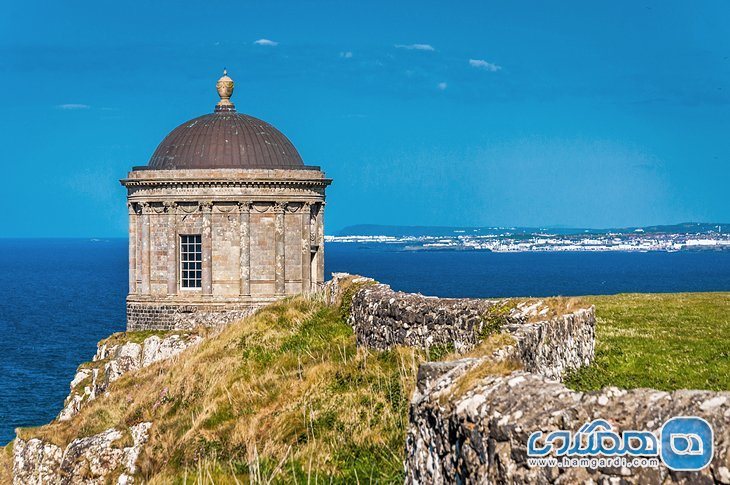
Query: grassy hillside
286	395
283	394
6	463
663	341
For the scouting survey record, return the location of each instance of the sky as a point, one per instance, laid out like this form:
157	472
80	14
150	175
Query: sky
490	113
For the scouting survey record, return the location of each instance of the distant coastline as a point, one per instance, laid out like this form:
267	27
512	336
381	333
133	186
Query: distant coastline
670	238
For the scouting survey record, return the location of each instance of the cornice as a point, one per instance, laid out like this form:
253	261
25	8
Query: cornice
320	182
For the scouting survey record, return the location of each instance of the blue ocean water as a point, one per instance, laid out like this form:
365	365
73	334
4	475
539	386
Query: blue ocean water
59	297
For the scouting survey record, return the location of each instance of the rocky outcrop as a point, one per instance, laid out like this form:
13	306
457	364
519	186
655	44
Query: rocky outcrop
112	361
481	436
96	459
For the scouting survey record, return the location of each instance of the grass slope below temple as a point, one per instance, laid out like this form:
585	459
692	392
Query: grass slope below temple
662	341
283	394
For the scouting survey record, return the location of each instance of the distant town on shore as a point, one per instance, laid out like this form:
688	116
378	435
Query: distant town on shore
677	237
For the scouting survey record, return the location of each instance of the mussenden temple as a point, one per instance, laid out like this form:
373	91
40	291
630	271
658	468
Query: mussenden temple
223	219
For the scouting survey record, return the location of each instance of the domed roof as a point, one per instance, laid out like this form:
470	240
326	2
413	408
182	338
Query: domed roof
225	139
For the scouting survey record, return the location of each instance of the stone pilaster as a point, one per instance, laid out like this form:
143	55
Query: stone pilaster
320	242
172	247
279	248
244	209
207	247
306	213
132	247
145	250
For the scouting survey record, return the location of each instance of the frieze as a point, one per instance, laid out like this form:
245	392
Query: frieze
262	207
158	208
188	208
225	207
294	207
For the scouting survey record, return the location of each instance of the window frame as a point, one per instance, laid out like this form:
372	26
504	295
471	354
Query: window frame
190	257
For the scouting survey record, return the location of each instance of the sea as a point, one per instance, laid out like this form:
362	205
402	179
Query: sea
59	297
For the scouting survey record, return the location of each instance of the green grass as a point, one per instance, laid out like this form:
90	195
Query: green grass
662	341
286	396
283	395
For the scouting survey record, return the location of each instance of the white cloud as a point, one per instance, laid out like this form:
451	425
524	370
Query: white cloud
415	47
346	55
266	42
442	86
482	64
71	106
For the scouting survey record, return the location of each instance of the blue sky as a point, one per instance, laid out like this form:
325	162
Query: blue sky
424	113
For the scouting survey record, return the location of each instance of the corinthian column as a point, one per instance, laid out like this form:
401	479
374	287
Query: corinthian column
279	247
207	248
145	256
245	245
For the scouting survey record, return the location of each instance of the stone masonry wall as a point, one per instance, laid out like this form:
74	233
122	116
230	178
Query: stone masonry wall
545	342
481	436
382	318
181	316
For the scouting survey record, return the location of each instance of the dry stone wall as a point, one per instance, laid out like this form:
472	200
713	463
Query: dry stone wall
382	318
545	342
476	430
481	436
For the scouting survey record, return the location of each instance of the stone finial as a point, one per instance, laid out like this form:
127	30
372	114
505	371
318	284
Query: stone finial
225	90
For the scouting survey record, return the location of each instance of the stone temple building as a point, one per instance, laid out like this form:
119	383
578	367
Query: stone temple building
224	218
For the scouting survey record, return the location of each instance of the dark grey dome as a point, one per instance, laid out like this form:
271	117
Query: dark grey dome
225	139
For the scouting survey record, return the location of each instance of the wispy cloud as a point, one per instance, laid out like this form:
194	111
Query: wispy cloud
442	86
482	64
266	42
415	47
72	106
346	54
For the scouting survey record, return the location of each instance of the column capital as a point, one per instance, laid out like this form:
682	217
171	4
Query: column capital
132	208
145	207
206	206
280	207
244	206
170	206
